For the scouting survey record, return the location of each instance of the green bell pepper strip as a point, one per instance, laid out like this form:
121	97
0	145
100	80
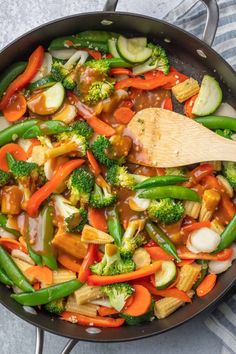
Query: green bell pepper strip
13	272
46	234
45	128
15	131
203	273
114	226
46	81
3	223
218	122
228	236
97	40
159	236
10	74
160	181
4	278
45	295
176	192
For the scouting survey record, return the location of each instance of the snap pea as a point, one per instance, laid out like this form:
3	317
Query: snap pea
228	236
218	122
10	74
4	278
13	272
160	181
45	295
45	128
176	192
203	273
3	224
114	226
159	236
15	131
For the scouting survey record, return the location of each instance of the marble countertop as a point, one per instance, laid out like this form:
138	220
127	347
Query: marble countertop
16	336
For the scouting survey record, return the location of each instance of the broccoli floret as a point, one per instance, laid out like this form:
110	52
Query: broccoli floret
80	184
69	81
166	211
100	148
112	263
4	178
102	196
82	128
58	71
118	294
230	173
42	179
175	171
55	306
133	238
119	176
226	133
74	218
70	141
158	61
99	91
102	65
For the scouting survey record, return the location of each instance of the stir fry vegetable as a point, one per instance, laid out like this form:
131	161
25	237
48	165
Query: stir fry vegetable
93	238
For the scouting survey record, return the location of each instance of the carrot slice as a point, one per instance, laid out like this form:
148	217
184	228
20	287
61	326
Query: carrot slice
188	106
16	108
100	127
11	244
97	321
93	162
69	262
141	303
106	311
17	152
96	218
42	274
172	292
123	115
206	285
195	226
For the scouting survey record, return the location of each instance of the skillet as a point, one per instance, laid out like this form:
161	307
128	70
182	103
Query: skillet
188	54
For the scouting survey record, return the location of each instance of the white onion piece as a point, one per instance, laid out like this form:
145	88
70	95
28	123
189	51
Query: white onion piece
24	143
103	301
190	246
225	109
30	310
80	56
3	123
204	240
217	267
138	204
233	247
6	234
48	169
63	54
23	256
45	68
16	290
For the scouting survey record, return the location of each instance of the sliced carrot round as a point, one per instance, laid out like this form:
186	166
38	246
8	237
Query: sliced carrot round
17	152
141	301
123	115
16	108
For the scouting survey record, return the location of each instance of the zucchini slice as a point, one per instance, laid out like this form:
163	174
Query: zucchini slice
46	81
48	101
165	276
133	49
209	97
112	47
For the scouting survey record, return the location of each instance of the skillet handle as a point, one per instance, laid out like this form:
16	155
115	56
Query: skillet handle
40	342
211	21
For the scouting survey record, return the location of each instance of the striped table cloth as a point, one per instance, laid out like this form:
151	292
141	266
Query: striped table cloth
191	16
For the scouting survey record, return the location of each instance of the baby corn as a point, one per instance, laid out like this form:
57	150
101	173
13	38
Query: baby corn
210	200
62	275
164	307
87	293
186	89
188	276
92	235
86	309
192	209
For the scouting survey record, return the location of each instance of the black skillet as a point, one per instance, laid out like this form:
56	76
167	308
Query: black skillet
187	53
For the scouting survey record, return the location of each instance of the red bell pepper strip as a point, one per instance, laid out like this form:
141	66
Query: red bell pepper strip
98	321
88	114
158	254
95	54
44	192
34	63
228	206
120	278
195	226
121	71
201	172
97	219
184	253
89	259
188	106
167	104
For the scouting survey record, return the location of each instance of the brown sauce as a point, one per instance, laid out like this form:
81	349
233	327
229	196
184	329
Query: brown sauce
148	99
125	212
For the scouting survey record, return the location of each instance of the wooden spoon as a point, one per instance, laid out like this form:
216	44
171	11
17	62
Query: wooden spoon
167	139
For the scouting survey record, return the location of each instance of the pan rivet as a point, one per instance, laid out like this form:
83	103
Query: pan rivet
201	53
106	22
93	330
167	40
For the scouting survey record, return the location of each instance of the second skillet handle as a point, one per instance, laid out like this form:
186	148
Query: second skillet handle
211	22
